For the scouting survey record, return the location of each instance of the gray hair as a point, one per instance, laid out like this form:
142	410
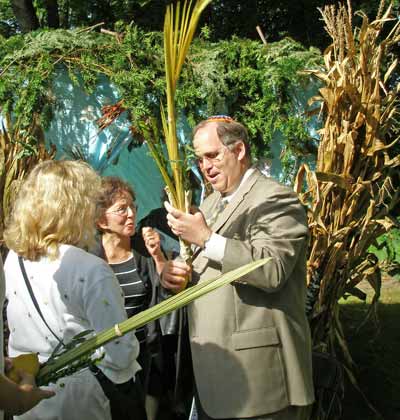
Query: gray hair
229	132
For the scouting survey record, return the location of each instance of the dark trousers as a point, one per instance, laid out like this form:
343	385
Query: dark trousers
126	400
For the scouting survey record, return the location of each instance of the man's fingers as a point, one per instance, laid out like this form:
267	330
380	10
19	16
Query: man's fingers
175	224
45	394
173	287
175	275
175	231
171	218
172	210
176	284
173	281
178	268
168	206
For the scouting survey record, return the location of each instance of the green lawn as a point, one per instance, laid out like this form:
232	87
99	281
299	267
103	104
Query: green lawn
376	352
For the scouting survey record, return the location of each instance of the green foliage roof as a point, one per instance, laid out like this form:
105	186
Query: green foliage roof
240	77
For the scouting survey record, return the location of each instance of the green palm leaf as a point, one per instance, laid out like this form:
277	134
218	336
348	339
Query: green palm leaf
179	28
79	356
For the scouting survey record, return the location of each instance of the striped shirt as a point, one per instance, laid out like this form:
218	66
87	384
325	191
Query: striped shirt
135	290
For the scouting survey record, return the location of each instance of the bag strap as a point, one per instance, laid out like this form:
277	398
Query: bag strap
29	287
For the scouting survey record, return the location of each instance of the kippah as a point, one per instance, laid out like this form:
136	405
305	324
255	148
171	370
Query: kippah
220	118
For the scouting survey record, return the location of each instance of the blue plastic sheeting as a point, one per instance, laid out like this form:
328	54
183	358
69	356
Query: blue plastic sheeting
300	97
75	133
138	168
73	128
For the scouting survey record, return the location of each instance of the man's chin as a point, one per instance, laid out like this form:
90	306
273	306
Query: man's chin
215	184
219	189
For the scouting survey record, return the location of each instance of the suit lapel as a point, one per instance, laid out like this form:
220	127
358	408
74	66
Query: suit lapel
236	201
199	260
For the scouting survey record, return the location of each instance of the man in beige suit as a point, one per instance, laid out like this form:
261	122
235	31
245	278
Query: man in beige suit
250	341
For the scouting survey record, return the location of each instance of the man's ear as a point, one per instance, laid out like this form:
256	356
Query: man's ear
241	150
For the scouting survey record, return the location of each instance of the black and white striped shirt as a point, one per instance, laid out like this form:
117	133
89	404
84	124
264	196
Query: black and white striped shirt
135	290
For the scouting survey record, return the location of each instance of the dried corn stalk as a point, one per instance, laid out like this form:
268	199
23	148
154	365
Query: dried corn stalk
353	190
20	151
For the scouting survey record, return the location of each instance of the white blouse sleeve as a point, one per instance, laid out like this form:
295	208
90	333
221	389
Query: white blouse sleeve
103	303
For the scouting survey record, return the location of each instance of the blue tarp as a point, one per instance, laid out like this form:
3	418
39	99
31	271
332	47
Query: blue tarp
74	131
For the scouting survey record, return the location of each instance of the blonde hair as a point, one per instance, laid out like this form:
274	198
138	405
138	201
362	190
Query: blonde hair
55	205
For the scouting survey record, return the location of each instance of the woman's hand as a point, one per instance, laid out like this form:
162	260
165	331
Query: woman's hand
152	242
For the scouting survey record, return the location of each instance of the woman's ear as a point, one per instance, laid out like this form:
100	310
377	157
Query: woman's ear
101	223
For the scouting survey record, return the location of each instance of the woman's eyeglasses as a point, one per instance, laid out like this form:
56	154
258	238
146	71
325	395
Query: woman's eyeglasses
124	210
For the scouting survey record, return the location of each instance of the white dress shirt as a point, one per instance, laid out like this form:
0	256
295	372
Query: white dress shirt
215	246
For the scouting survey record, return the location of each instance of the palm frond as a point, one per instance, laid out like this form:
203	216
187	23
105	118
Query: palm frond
179	28
76	358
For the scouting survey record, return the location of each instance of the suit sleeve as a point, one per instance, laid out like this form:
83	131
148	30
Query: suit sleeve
277	228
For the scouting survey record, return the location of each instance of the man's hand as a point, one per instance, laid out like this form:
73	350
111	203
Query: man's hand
21	397
32	395
175	275
191	228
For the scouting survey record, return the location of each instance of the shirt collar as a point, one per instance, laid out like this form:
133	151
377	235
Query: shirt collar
228	198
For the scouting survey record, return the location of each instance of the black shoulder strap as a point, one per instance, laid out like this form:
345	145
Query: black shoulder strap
29	287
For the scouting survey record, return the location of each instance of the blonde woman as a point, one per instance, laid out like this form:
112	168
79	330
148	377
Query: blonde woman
51	224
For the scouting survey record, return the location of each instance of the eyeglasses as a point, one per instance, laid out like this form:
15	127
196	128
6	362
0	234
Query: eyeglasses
124	210
212	157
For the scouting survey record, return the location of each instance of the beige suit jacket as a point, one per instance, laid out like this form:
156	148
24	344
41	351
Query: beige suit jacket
250	340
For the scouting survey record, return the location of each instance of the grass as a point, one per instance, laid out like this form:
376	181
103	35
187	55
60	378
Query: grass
376	353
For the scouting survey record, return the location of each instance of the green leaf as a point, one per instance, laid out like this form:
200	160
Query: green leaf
49	371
